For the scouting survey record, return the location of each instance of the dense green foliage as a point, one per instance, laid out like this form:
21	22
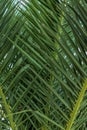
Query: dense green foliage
43	65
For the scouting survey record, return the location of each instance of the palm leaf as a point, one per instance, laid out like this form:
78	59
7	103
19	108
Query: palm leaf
43	65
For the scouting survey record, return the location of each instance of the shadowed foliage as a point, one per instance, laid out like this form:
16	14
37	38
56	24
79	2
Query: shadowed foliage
43	65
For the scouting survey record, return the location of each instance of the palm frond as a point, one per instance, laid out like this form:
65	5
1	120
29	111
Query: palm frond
43	65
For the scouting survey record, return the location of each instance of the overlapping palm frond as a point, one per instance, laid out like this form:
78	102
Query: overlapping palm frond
43	65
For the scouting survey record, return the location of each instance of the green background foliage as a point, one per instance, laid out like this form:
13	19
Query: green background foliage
43	65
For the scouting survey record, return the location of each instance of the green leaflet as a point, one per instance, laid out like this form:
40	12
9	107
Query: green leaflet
77	106
8	111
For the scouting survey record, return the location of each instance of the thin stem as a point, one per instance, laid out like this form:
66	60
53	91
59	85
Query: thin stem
77	106
8	111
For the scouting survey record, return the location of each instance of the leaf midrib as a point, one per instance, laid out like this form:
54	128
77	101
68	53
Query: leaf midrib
77	106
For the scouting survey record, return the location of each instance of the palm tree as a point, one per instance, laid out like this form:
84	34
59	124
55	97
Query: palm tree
43	65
